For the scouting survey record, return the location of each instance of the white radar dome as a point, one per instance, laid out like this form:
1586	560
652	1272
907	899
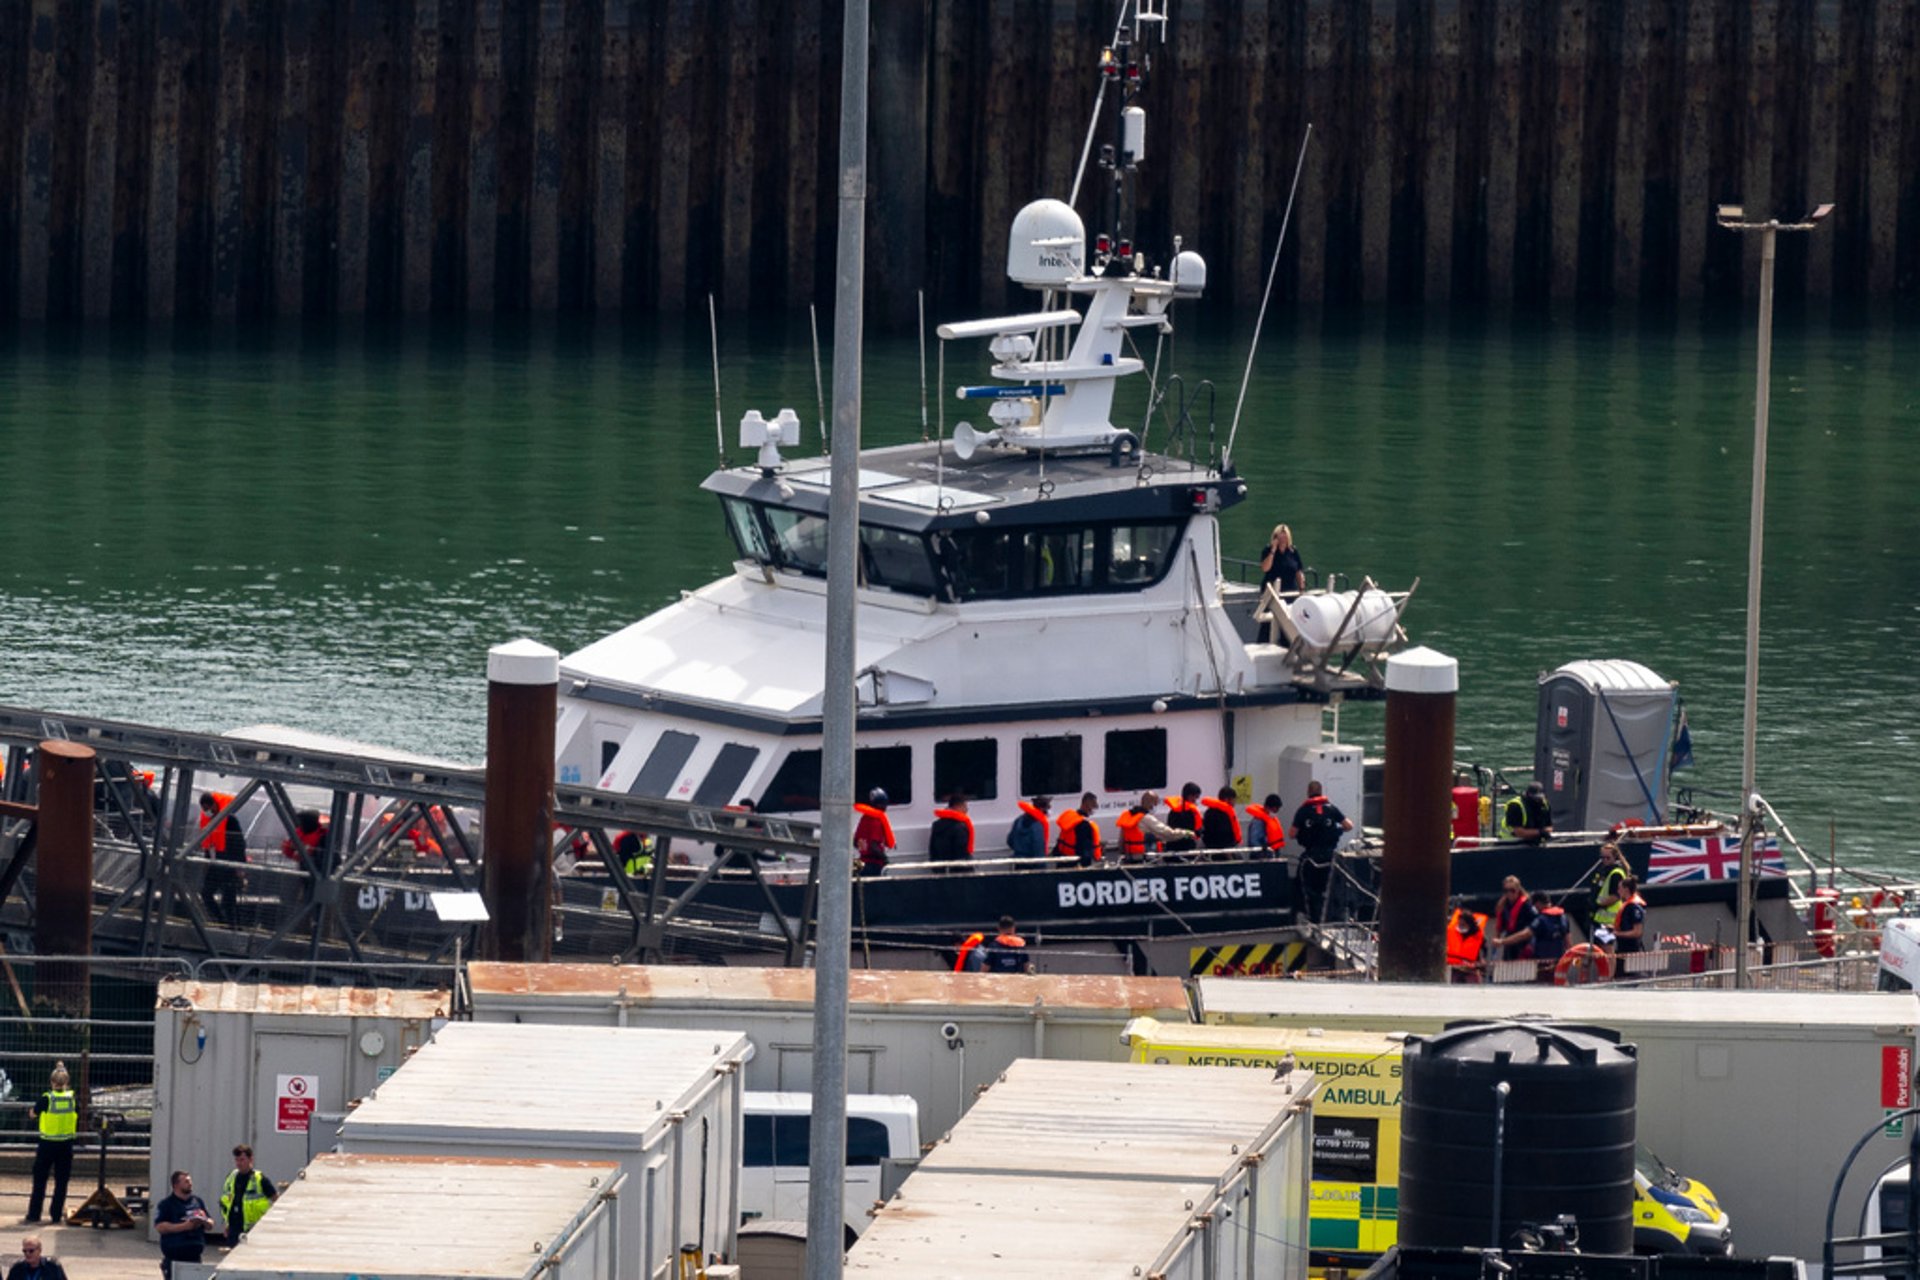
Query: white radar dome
1189	274
1047	245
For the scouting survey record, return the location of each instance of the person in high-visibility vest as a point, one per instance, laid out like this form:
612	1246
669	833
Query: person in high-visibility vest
1607	898
245	1197
58	1116
634	849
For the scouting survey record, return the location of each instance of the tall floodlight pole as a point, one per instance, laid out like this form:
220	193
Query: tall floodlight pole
1732	217
833	935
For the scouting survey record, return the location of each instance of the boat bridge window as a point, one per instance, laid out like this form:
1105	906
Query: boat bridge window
799	540
970	766
890	559
998	564
1136	760
664	763
895	560
1050	766
796	783
744	525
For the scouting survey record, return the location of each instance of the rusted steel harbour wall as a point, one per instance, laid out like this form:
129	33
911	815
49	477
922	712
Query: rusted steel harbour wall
319	157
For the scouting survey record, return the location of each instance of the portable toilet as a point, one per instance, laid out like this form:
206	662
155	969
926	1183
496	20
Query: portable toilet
1602	743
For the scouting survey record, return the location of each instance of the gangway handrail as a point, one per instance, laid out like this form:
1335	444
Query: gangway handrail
399	777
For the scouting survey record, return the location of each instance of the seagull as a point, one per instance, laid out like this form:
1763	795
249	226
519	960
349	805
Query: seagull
1284	1067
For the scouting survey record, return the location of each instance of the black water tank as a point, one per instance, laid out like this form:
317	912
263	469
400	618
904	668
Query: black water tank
1569	1134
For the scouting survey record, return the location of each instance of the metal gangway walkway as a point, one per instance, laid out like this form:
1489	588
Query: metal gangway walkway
395	829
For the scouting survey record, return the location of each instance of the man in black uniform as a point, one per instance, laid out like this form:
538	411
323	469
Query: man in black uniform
1528	817
1007	953
1318	825
182	1220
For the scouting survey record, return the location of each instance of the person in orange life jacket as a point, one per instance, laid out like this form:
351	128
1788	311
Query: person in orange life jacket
1143	833
1027	838
1466	940
1007	953
950	839
1513	918
1630	930
1183	811
225	843
968	958
309	834
874	836
1318	825
1219	824
1079	833
1266	833
1551	927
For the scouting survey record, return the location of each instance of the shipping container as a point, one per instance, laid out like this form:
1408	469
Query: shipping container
936	1037
1757	1093
414	1218
1101	1169
665	1104
259	1063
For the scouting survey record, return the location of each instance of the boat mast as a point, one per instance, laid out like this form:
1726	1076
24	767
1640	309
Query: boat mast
833	936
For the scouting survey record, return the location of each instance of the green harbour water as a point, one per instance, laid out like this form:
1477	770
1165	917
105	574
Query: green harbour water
327	527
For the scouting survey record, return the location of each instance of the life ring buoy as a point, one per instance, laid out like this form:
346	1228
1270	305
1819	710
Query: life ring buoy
1583	963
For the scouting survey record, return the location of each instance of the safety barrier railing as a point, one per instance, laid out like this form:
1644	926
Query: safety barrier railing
1799	965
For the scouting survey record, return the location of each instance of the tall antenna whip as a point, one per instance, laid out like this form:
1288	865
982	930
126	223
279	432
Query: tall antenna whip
819	390
1233	433
1099	100
713	338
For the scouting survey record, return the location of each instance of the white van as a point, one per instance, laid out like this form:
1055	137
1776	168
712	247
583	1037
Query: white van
883	1142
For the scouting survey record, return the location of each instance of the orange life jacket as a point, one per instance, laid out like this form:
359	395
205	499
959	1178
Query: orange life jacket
879	816
1039	815
311	839
1069	847
1276	830
961	818
215	841
1223	807
1133	841
966	949
1183	815
1463	949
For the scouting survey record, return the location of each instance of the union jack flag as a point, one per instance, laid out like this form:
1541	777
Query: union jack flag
1710	858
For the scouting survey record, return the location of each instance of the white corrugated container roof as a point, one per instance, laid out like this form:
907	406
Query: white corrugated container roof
594	1084
1615	674
1074	1169
418	1218
1390	1006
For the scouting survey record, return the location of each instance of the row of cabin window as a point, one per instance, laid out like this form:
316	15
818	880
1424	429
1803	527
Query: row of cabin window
966	564
1136	760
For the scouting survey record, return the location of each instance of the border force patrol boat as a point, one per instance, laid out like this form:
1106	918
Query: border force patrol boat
1042	607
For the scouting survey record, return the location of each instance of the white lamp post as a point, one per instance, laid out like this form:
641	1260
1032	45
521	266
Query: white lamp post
1733	218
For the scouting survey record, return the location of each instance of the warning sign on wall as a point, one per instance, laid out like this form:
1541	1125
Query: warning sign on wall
293	1103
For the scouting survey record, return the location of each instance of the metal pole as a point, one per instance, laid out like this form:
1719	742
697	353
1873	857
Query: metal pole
1756	527
827	1142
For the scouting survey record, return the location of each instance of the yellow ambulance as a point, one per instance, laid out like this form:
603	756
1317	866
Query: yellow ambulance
1355	1208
